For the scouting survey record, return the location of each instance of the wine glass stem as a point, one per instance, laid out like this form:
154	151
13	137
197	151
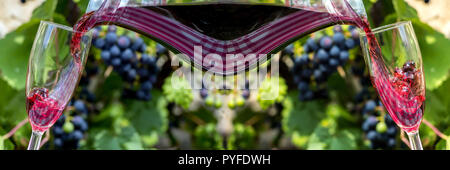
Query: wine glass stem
414	141
35	140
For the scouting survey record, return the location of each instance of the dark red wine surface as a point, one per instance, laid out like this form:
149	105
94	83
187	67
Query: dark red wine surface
43	111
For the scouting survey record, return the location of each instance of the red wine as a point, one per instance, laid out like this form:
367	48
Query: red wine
43	111
45	106
402	94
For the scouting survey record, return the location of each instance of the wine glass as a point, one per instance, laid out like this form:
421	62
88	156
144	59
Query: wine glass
393	56
53	73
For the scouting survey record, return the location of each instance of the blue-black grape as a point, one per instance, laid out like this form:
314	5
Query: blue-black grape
372	135
326	42
303	86
344	56
147	85
115	51
99	43
132	74
334	51
312	45
369	106
123	42
160	49
57	130
79	106
322	55
111	38
138	42
105	55
318	75
116	62
349	43
338	38
127	55
333	62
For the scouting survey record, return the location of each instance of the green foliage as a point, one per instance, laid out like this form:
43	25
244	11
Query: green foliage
46	10
207	137
243	137
14	54
149	117
316	127
272	89
134	125
16	46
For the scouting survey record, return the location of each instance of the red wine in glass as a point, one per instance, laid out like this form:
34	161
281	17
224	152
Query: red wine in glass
53	73
397	75
402	97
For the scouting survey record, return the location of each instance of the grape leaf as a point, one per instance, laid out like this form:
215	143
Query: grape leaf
130	139
6	144
45	11
438	105
435	54
82	4
14	53
319	139
148	116
12	105
403	10
127	139
443	144
343	140
2	147
105	140
302	117
16	46
207	137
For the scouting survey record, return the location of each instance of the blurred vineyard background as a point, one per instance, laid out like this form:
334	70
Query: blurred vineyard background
129	102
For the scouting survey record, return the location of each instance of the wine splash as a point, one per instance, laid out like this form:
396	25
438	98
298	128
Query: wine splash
43	111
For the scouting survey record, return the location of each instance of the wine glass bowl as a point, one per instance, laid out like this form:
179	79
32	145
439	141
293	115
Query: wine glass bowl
396	71
53	73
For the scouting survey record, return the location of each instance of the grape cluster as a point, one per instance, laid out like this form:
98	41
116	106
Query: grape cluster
380	130
129	59
321	57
